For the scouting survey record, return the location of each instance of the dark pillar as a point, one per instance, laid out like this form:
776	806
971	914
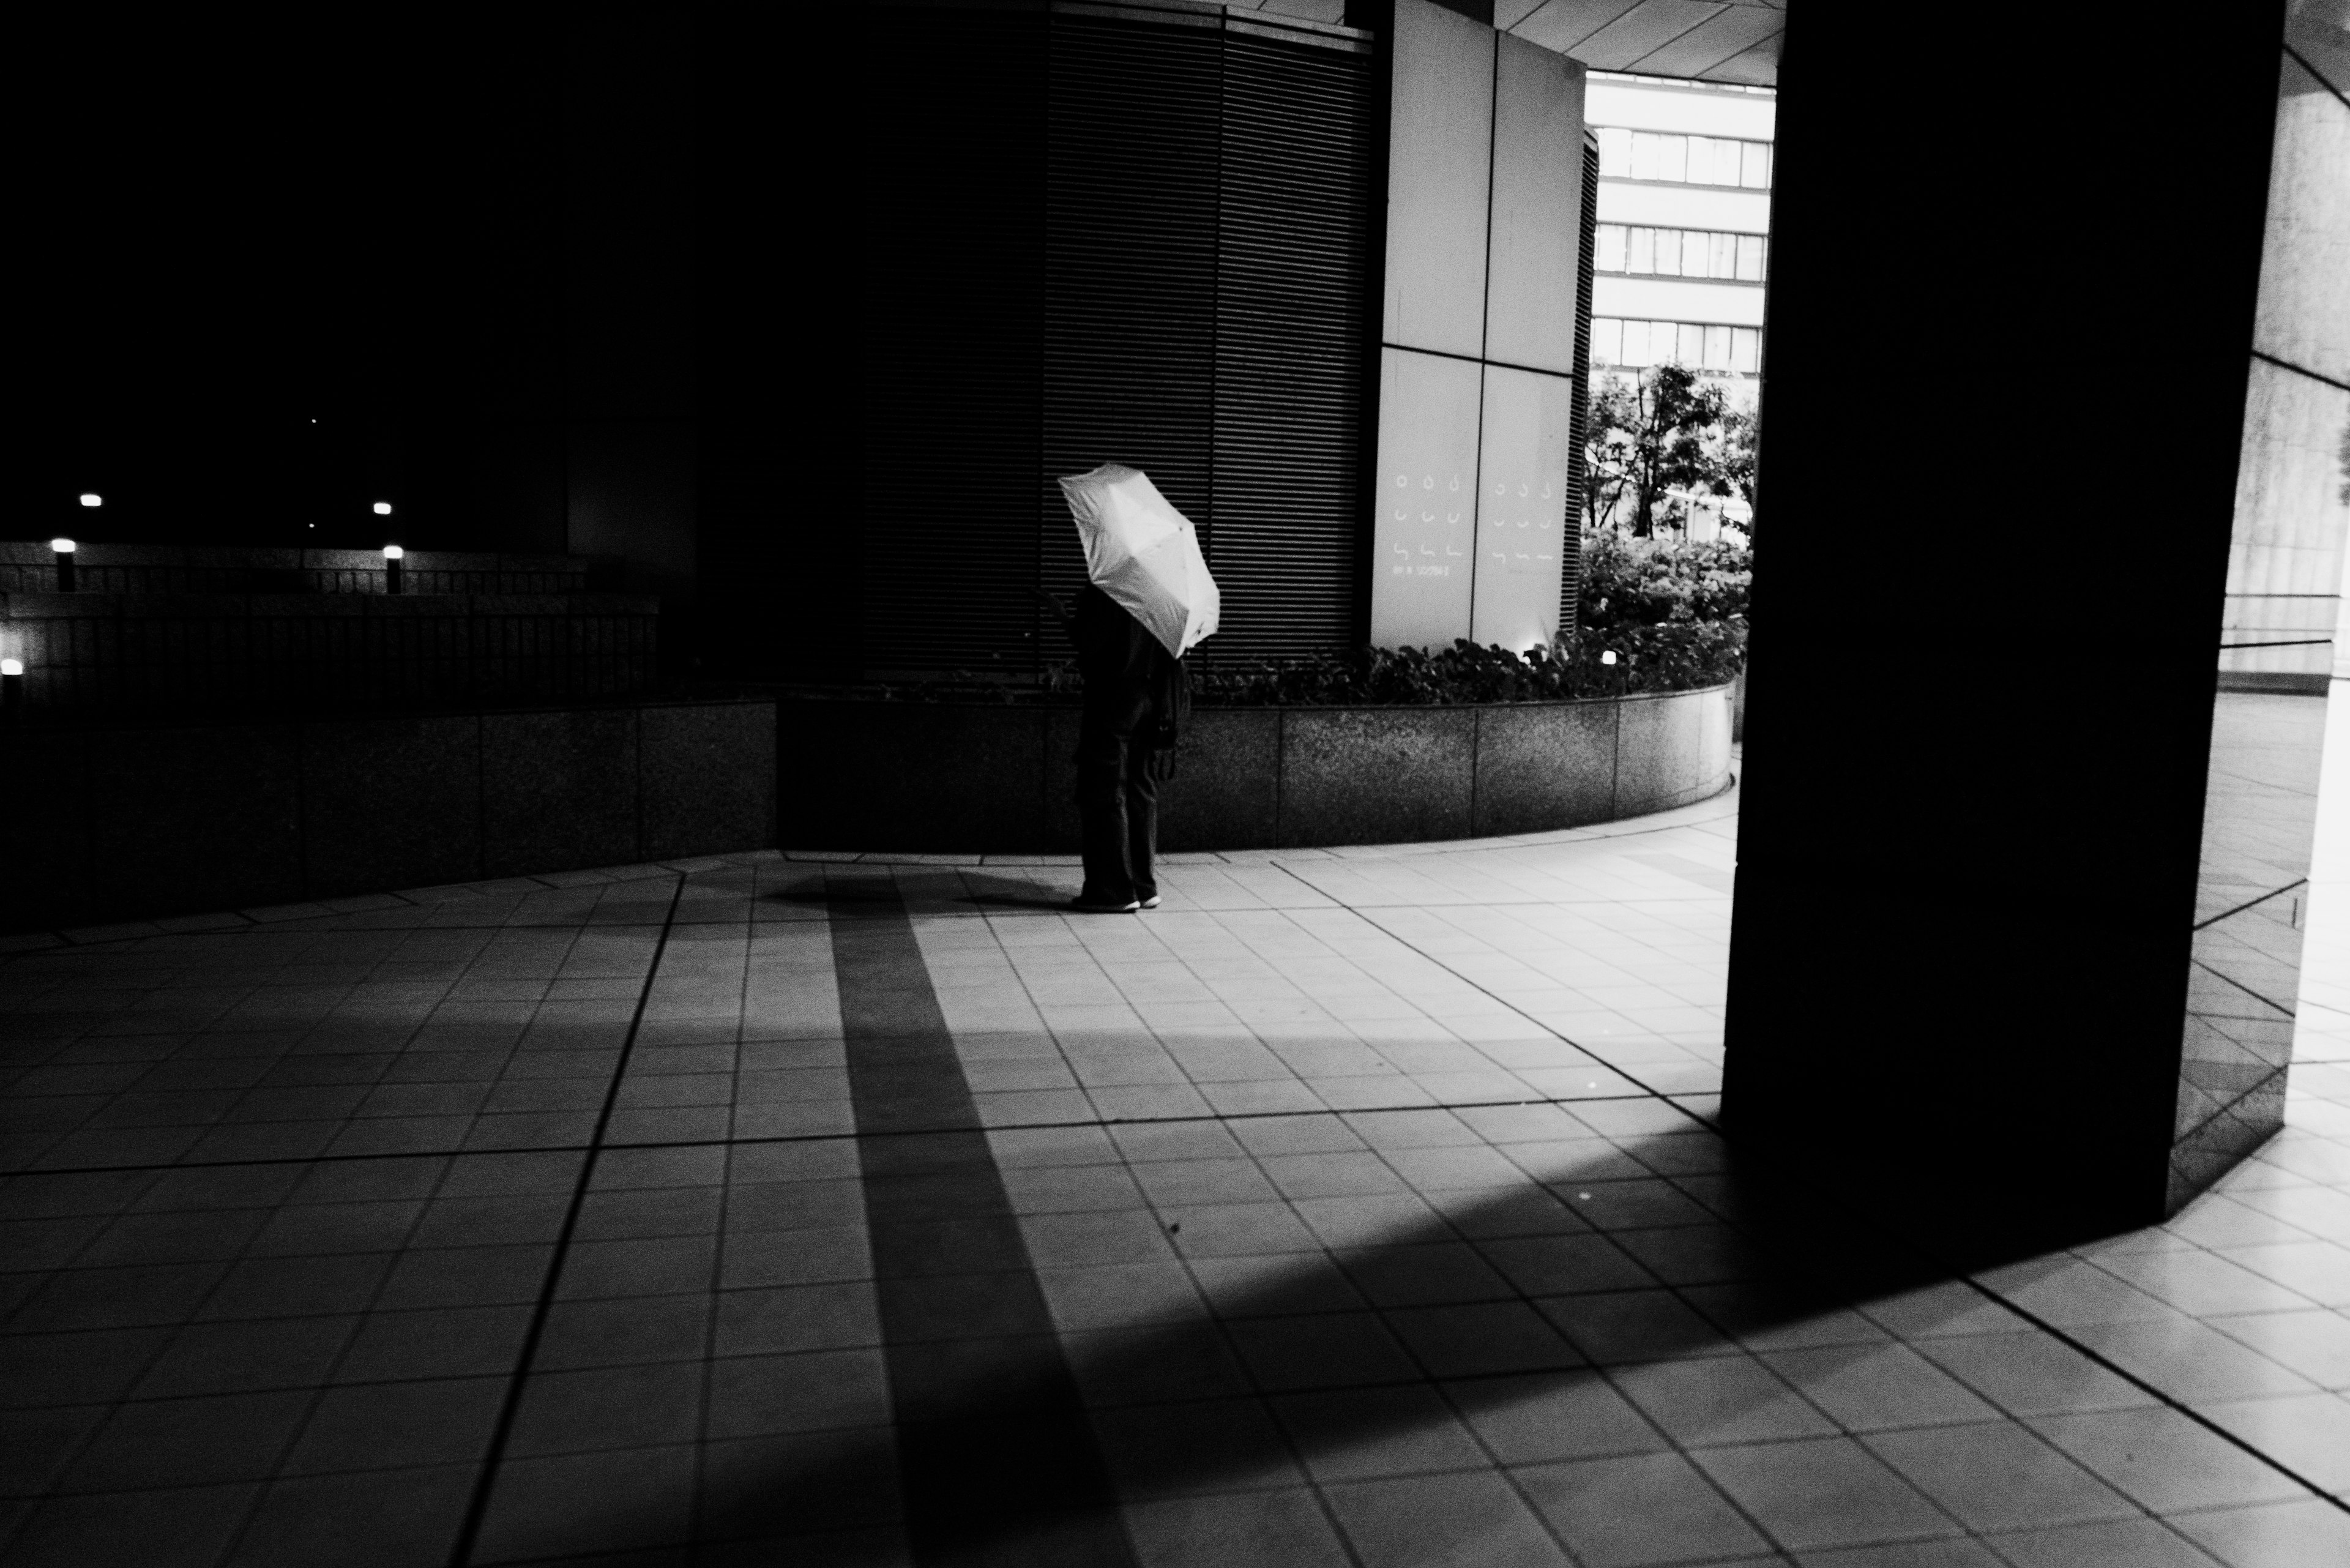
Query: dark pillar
629	241
2012	312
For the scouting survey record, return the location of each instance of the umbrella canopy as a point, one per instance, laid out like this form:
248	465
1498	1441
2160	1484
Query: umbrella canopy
1144	554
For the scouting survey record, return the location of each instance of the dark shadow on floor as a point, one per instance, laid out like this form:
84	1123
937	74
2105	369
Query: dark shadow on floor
1511	1296
1650	1245
933	891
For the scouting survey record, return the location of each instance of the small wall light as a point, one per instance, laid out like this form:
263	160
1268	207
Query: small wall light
393	558
64	552
383	508
12	687
92	498
1608	657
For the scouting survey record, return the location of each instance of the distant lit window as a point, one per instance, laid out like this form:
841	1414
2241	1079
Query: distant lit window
1698	164
1750	257
1677	252
1690	159
1611	238
1606	341
1699	346
1712	161
1672	157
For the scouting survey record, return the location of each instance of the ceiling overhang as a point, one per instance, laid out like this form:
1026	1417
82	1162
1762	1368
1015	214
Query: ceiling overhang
1696	40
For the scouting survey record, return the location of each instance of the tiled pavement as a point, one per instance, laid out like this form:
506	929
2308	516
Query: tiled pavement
1354	1207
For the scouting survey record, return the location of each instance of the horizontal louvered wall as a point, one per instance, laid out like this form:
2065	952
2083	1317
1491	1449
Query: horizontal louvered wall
1129	269
1157	257
953	375
1578	452
1289	346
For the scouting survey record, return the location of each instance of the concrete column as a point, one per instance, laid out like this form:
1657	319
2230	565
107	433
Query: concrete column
2011	317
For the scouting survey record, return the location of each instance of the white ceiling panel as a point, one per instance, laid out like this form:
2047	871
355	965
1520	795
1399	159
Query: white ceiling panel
1758	67
1644	29
1560	25
1695	40
1713	41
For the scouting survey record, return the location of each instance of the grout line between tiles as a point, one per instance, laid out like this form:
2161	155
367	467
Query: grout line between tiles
820	1138
478	1505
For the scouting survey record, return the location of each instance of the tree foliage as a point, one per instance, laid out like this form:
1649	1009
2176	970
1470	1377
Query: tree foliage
1648	439
1658	437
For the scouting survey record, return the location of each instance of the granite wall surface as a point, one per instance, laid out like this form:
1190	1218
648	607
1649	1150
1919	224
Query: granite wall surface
968	778
123	822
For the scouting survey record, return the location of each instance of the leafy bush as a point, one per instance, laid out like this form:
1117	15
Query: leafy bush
1673	614
1651	582
1663	657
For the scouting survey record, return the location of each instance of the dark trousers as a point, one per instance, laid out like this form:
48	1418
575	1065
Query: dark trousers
1117	800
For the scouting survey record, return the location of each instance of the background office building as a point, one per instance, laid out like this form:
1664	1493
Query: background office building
1682	245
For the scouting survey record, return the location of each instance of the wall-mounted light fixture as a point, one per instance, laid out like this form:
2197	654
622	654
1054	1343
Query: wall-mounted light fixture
92	498
393	556
64	553
383	508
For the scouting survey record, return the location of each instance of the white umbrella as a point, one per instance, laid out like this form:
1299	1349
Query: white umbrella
1144	554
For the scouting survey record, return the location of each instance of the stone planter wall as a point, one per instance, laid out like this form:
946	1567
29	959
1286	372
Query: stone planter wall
967	778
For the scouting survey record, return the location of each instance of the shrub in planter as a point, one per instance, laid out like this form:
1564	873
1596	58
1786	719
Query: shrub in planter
1662	658
1673	614
1651	582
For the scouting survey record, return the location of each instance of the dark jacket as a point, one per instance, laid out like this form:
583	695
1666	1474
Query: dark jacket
1121	661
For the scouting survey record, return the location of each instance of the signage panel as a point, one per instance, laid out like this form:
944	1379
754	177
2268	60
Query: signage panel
1522	506
1425	529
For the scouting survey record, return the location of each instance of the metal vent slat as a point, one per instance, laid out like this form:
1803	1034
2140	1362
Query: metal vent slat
1130	269
1145	244
1296	202
1578	458
953	380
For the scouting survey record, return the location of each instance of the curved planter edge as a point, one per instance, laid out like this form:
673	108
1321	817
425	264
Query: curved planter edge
966	778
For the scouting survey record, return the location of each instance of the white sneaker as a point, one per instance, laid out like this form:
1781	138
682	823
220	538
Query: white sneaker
1152	902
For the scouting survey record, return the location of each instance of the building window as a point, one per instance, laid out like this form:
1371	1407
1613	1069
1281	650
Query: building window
1678	252
1699	346
1688	160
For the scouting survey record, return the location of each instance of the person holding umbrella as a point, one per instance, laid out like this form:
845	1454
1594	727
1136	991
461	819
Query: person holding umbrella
1149	600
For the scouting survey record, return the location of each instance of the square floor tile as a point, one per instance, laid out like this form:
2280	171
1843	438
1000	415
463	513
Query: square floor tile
1998	1475
1553	1415
1363	1433
1628	1511
1720	1400
2138	1542
2166	1461
1826	1491
2276	1535
1464	1521
1876	1386
1278	1529
2033	1374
